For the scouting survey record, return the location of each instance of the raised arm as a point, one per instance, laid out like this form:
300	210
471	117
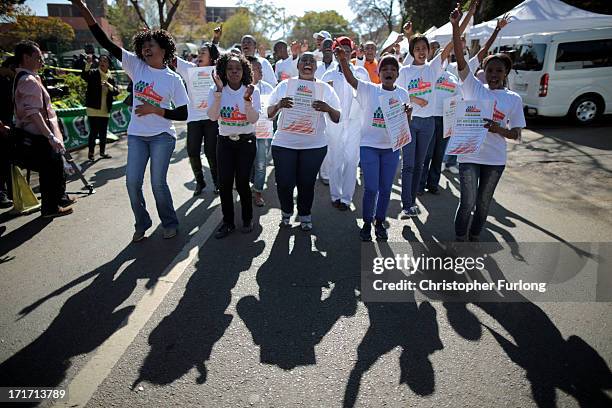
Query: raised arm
346	70
449	47
501	23
97	31
461	64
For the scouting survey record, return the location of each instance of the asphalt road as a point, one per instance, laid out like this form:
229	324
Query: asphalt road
275	318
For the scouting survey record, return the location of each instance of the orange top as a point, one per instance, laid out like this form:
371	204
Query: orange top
372	68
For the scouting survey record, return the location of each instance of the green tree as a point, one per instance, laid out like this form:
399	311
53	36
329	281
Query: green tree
125	19
8	6
313	21
51	33
235	27
268	19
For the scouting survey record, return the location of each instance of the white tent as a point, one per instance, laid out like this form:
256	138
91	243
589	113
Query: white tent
540	16
444	34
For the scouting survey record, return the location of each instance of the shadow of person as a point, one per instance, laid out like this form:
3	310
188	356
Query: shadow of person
16	238
405	324
185	338
302	293
94	313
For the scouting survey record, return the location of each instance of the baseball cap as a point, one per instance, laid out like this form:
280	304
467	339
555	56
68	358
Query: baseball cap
322	33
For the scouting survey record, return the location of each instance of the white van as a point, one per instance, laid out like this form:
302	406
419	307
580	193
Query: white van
565	73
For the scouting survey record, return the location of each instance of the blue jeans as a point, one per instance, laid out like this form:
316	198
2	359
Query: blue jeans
477	185
379	167
159	149
259	165
432	167
297	167
413	156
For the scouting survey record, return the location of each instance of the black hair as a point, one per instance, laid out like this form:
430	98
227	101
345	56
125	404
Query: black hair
252	59
388	60
161	37
414	40
304	54
10	62
221	68
25	47
503	58
281	42
212	50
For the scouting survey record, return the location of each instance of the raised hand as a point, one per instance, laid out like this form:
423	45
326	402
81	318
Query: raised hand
473	6
295	48
218	32
455	16
304	47
249	91
340	53
399	39
504	21
407	29
218	81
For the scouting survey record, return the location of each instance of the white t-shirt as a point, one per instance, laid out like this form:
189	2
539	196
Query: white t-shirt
233	118
507	112
446	86
419	81
473	63
344	90
322	69
182	67
285	69
373	127
267	71
296	141
159	87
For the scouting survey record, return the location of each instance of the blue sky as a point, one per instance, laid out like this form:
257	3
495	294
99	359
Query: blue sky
293	7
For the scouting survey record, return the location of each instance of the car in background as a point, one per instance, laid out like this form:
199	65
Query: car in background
566	73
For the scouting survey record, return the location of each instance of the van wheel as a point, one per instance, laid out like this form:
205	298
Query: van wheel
585	110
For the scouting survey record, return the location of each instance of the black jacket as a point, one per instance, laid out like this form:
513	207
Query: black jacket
93	96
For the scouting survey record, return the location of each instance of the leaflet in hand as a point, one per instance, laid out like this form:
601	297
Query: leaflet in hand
302	119
450	105
199	82
396	120
264	128
468	130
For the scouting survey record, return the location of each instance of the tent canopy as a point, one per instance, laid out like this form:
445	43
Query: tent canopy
444	34
540	16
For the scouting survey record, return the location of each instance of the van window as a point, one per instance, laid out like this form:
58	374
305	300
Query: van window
584	54
530	57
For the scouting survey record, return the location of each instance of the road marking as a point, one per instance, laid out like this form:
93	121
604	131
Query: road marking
95	371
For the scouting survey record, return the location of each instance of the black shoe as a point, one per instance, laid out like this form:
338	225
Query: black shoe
433	190
67	201
336	204
5	202
225	230
420	193
199	188
247	227
380	231
343	207
105	156
366	232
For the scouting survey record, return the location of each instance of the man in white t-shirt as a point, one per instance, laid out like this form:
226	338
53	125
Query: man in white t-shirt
286	65
249	45
319	37
343	148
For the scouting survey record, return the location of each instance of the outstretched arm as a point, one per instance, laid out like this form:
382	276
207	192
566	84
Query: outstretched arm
501	23
461	64
346	70
97	31
459	50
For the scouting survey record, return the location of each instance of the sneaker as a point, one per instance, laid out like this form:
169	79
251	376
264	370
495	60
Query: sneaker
366	232
343	206
247	227
306	225
225	230
336	203
138	236
105	156
259	200
170	233
417	209
410	212
5	202
61	211
433	190
380	231
285	220
453	169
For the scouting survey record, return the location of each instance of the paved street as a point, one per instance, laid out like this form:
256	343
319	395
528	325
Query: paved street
274	317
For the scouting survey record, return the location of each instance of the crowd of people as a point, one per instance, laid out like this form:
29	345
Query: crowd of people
350	135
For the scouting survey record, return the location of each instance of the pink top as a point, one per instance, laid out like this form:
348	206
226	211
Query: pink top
29	100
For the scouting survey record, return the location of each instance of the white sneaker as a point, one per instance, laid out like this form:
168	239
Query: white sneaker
453	170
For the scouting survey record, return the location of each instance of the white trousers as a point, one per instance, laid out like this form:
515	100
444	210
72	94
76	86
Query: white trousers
343	154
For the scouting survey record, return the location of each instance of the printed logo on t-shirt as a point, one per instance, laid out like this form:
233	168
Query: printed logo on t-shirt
498	116
144	92
443	84
472	110
284	75
231	116
418	87
378	120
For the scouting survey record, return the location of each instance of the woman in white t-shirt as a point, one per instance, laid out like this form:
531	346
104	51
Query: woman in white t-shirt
199	127
378	160
151	133
235	104
419	79
480	172
298	157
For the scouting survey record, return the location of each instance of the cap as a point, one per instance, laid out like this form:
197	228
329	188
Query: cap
322	33
343	41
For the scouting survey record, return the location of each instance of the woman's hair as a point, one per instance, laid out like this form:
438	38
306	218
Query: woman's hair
388	60
212	50
161	37
247	72
414	40
25	47
503	58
